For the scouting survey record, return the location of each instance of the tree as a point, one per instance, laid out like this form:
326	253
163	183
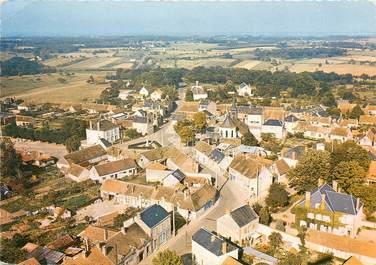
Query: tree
249	139
367	194
290	259
167	257
187	135
314	165
11	249
275	242
356	112
349	174
189	95
257	207
73	143
280	226
348	151
132	133
10	159
277	196
199	121
264	215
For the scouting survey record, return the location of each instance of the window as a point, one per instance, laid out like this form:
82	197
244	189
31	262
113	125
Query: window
310	215
326	218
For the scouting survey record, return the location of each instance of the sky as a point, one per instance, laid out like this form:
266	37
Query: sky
120	18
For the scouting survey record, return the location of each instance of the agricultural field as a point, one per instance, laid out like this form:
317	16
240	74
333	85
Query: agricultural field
190	64
248	64
51	88
92	63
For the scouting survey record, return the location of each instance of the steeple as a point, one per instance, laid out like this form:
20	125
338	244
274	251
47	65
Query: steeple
234	109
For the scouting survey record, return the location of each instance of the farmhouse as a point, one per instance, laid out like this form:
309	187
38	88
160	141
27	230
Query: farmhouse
210	249
104	129
113	170
87	156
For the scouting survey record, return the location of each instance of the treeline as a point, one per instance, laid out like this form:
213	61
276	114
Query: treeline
299	53
71	127
267	83
23	66
350	45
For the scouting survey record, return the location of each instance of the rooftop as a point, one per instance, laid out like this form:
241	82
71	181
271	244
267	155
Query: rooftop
115	166
153	215
243	215
212	242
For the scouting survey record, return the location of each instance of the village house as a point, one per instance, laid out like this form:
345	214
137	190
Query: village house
349	123
189	204
24	121
156	222
371	174
370	110
125	93
36	158
238	225
210	249
103	130
292	155
198	92
113	170
367	120
209	106
143	125
327	210
316	132
290	123
87	156
280	169
78	173
341	134
244	90
232	128
174	178
144	92
251	174
156	172
156	95
109	247
369	139
274	127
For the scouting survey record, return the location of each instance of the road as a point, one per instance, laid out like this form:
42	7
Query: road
229	195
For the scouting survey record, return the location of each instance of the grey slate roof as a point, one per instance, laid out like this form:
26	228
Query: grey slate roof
273	122
140	119
216	155
211	242
178	175
335	201
153	215
243	215
228	122
291	118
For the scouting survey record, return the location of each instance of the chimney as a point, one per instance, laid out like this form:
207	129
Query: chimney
212	238
90	125
224	247
105	236
87	247
307	202
98	125
123	230
322	205
104	250
196	83
335	185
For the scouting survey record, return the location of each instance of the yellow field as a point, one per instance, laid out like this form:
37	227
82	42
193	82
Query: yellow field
123	65
49	89
247	64
92	63
54	62
190	64
75	92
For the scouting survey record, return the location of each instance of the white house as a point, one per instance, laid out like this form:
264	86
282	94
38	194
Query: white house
173	178
210	249
291	123
198	92
113	170
369	139
274	127
156	95
78	173
143	125
103	129
144	92
239	224
244	90
232	128
252	175
156	172
341	134
124	94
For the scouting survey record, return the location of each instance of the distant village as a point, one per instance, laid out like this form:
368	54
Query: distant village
215	183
